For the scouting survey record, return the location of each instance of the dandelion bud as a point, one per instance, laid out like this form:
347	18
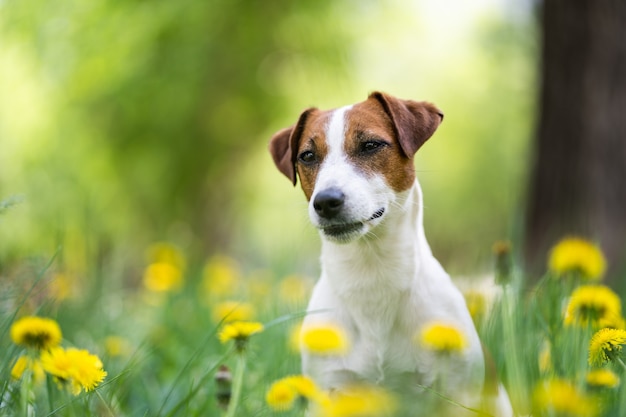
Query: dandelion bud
223	382
503	262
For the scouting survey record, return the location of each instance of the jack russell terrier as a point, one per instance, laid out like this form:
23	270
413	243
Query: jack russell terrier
379	280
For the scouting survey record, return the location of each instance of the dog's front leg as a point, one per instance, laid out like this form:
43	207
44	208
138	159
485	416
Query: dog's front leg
331	370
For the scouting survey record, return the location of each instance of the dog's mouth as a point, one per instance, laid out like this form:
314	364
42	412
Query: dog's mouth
342	231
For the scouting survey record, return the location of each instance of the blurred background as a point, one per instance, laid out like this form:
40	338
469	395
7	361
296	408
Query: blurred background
123	123
139	205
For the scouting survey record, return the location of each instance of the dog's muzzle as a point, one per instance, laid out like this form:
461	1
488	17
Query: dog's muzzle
329	205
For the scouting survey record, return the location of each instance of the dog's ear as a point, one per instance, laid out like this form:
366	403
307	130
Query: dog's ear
414	122
284	146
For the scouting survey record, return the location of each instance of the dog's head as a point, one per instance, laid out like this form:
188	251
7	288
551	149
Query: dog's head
353	161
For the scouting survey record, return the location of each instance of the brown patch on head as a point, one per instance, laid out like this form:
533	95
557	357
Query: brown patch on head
372	145
414	121
300	149
383	134
284	146
312	146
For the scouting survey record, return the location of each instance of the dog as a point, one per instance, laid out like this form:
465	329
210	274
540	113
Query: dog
379	279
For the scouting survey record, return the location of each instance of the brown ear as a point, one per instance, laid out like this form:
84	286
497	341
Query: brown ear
284	146
414	122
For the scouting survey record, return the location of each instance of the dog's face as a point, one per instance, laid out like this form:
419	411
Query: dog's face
352	162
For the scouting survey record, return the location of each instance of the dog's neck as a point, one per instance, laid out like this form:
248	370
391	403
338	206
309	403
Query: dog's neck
388	258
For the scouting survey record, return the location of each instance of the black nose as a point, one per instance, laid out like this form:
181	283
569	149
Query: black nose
328	203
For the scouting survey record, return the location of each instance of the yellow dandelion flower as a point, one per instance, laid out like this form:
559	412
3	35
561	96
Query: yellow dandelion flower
77	368
281	396
283	393
62	286
221	276
476	304
240	332
233	311
36	332
20	367
574	254
259	290
162	277
116	346
324	339
167	253
602	378
293	341
606	345
25	363
359	401
259	284
294	289
442	338
561	397
304	386
612	321
545	358
616	322
595	305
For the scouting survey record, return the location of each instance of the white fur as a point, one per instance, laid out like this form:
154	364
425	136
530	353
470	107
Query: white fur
364	196
383	286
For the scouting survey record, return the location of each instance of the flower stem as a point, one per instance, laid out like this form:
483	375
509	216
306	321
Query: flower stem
25	391
621	364
50	392
237	384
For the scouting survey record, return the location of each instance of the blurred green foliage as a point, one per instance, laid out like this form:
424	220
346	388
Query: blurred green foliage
126	122
125	118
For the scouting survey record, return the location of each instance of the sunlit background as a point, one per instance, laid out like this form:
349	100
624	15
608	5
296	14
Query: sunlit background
141	211
126	123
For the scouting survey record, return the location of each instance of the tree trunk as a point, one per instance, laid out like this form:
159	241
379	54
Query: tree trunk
578	184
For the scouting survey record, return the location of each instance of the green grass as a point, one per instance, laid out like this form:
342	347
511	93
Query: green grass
167	352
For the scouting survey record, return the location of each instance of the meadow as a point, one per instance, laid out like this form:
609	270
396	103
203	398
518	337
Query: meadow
218	337
152	264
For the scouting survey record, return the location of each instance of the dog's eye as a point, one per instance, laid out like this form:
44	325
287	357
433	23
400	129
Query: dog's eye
307	157
371	146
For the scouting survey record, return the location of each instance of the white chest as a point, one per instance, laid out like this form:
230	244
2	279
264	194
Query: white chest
385	351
